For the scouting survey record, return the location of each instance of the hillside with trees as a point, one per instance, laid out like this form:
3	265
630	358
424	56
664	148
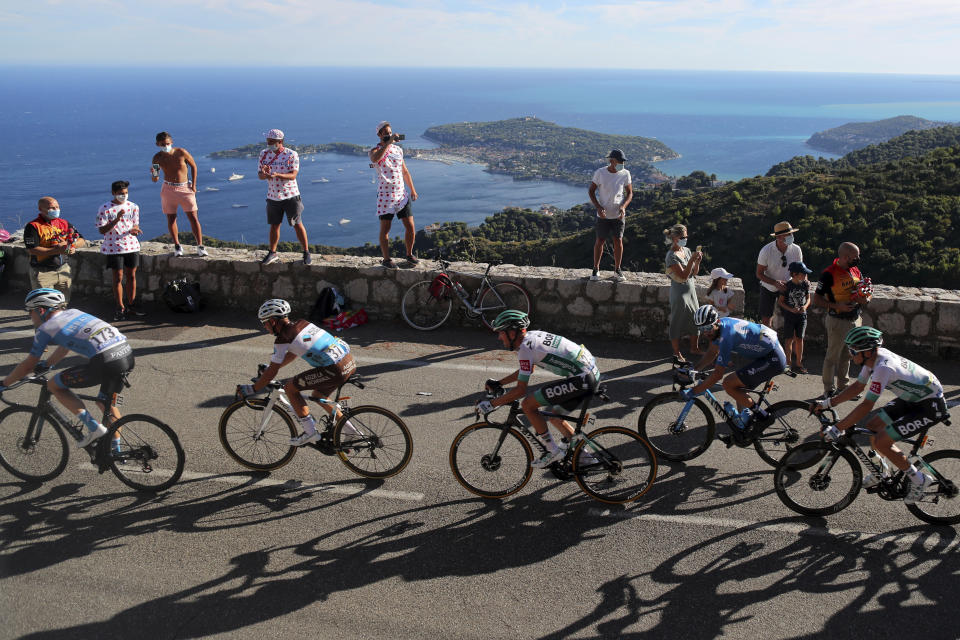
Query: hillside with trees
856	135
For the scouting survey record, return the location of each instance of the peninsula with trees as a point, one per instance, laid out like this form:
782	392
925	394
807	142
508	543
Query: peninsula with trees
856	135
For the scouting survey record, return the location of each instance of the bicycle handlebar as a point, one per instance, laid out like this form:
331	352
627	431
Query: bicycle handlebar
34	378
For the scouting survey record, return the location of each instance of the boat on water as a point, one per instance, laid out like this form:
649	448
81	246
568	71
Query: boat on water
213	169
239	206
211	189
339	169
320	180
235	176
344	220
329	224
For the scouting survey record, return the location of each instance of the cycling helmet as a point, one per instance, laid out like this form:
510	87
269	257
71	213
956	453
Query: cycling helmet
45	298
274	308
863	338
511	319
705	317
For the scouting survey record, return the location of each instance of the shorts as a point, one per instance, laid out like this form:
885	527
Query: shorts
905	419
610	228
405	212
758	371
768	302
292	207
567	393
326	380
107	369
172	197
794	324
129	260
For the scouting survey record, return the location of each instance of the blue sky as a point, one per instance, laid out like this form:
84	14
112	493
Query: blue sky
875	36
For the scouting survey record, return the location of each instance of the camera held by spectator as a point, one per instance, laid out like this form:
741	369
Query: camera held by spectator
393	137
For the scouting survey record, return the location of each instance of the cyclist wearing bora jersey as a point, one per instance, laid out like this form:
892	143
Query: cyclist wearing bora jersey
555	354
919	403
329	355
110	357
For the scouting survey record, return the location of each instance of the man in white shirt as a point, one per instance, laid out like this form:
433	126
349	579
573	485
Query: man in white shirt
773	268
611	190
119	222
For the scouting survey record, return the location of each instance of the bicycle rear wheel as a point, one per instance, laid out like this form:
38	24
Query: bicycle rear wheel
491	461
422	310
940	503
672	439
790	424
32	446
818	489
499	298
149	458
373	442
614	465
245	442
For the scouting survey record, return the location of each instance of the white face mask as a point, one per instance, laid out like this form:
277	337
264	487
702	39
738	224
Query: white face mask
682	242
272	147
52	214
788	240
167	149
120	197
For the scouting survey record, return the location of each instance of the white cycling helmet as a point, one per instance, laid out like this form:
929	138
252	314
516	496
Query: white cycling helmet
274	308
45	298
705	317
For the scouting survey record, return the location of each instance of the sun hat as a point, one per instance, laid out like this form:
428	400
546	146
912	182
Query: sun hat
274	134
720	272
380	126
798	267
783	227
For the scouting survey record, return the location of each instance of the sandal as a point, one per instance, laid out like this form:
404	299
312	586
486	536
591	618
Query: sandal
388	263
801	369
412	259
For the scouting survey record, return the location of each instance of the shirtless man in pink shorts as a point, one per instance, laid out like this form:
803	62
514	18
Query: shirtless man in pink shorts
177	189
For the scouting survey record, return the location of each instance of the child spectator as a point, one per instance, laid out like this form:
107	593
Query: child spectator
794	301
718	294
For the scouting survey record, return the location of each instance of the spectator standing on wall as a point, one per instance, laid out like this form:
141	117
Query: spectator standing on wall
719	294
682	265
794	302
393	199
178	189
772	270
279	166
837	292
50	239
611	190
119	222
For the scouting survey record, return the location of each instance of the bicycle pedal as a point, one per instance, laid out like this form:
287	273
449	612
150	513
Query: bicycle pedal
727	440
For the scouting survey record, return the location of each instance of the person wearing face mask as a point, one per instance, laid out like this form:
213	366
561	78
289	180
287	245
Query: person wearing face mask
610	192
682	265
50	239
772	268
279	166
119	222
837	293
178	190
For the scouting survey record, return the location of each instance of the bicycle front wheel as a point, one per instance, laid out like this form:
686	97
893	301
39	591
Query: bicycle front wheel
491	461
790	424
670	437
614	465
373	442
940	503
32	446
256	441
819	489
145	454
499	298
422	310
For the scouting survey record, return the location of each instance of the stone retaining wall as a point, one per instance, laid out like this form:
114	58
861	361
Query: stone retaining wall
564	299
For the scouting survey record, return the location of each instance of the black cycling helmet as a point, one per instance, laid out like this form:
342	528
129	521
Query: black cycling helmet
863	338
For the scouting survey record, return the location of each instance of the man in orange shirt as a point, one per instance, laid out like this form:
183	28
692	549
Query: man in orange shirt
50	239
837	292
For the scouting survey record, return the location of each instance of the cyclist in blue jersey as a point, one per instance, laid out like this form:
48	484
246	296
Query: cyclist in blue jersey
110	358
330	357
729	336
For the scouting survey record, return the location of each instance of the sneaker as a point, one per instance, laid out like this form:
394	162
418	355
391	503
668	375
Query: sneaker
304	438
871	480
120	314
388	263
412	259
202	252
595	275
547	459
587	458
92	435
915	492
270	258
799	369
136	309
618	276
306	258
177	250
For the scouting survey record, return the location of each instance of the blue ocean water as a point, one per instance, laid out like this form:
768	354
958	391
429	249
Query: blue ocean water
71	131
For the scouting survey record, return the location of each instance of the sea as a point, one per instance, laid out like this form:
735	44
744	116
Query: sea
71	131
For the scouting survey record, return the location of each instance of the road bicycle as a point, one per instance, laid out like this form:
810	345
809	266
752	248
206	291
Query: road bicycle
821	478
427	304
371	441
142	452
610	464
679	429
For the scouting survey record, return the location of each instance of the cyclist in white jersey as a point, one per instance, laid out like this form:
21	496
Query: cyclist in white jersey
329	356
555	354
919	403
110	357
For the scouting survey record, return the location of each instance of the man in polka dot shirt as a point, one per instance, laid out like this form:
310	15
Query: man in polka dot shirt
393	179
119	222
279	166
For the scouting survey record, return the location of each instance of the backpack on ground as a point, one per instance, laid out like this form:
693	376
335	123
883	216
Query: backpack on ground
329	303
182	296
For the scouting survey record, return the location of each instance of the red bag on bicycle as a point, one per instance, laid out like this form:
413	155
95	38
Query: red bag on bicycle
441	286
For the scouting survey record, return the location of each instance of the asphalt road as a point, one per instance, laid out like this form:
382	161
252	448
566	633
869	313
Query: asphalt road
313	551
